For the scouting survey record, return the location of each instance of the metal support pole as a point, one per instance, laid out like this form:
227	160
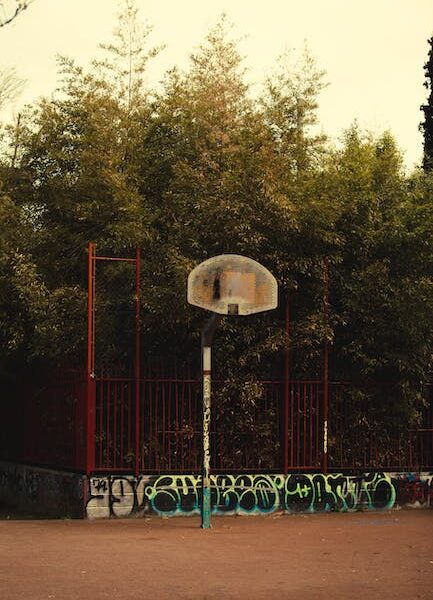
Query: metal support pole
91	388
90	309
206	494
325	366
137	361
206	336
286	388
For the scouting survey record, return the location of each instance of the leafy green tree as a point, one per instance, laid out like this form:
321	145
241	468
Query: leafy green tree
71	175
200	168
290	107
427	126
378	283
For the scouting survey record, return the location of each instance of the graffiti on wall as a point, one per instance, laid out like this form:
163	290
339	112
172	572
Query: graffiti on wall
415	490
41	491
175	495
18	481
56	493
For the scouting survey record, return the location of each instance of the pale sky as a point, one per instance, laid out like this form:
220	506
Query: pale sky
372	50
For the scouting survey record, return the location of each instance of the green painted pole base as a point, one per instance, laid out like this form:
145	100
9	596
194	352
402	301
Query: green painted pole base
205	509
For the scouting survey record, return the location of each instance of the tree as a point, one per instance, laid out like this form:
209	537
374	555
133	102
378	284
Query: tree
202	168
427	126
10	9
10	85
290	107
382	278
127	57
70	172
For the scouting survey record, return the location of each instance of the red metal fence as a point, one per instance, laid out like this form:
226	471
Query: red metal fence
44	419
147	423
170	428
75	424
169	437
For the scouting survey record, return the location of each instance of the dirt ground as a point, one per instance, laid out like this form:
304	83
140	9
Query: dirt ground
302	557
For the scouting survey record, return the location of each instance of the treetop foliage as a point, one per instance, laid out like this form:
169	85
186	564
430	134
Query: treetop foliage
427	126
197	168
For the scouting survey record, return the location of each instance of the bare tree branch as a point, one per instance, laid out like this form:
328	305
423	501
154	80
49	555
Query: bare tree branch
7	15
10	85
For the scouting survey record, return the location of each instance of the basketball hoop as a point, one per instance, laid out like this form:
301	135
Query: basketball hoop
231	284
228	284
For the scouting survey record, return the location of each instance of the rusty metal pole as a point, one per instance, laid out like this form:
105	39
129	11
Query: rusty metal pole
286	387
325	366
91	389
137	360
90	309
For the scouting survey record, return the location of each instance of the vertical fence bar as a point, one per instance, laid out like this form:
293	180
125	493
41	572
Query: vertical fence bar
152	429
89	307
137	361
286	388
325	366
91	385
310	456
122	426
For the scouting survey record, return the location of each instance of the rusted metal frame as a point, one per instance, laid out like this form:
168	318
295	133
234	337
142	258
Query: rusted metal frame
158	380
122	425
179	438
91	386
292	421
312	392
143	419
107	427
137	360
191	438
305	395
152	429
129	430
411	452
91	383
115	445
182	421
98	446
165	426
297	426
90	310
304	425
286	386
116	259
157	454
325	365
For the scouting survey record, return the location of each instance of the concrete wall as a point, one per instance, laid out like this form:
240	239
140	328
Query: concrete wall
180	495
34	491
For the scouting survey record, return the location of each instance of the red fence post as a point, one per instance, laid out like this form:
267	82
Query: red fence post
91	422
325	367
80	390
286	388
90	376
137	361
91	283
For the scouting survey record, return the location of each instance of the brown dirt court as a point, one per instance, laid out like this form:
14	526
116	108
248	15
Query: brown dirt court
300	557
